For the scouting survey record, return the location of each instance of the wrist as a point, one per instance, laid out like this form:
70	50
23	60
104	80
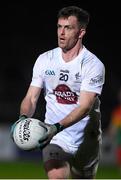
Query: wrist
59	127
23	116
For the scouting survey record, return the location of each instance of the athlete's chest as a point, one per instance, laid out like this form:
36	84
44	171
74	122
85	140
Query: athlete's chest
57	74
62	81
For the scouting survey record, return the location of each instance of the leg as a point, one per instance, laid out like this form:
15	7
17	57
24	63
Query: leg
57	169
86	161
56	162
80	174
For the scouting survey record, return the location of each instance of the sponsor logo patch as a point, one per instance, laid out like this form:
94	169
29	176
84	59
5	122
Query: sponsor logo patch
64	95
96	80
50	72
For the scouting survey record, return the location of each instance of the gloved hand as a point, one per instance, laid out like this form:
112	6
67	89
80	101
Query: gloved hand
21	117
51	131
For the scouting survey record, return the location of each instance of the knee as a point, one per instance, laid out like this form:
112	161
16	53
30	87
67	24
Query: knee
57	169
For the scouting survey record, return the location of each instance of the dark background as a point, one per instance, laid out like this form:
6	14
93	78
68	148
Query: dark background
29	28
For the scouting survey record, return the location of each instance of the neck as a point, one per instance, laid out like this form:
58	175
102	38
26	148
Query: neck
69	55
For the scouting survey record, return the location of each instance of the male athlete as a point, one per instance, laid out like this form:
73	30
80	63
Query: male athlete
72	78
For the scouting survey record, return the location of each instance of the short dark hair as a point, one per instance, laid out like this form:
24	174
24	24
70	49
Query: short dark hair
81	14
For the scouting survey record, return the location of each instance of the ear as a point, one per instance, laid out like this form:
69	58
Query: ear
82	33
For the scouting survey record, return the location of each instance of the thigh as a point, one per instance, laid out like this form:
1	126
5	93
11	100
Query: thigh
86	160
56	161
55	152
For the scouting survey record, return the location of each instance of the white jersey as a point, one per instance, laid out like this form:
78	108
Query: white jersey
63	82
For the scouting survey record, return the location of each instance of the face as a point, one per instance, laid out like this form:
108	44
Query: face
69	32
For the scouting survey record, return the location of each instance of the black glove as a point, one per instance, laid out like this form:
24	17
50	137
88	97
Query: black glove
51	131
21	117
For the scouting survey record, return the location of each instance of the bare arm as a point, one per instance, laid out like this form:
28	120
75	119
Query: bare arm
28	104
87	100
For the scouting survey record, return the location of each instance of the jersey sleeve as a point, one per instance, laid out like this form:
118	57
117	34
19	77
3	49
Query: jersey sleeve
93	76
38	72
